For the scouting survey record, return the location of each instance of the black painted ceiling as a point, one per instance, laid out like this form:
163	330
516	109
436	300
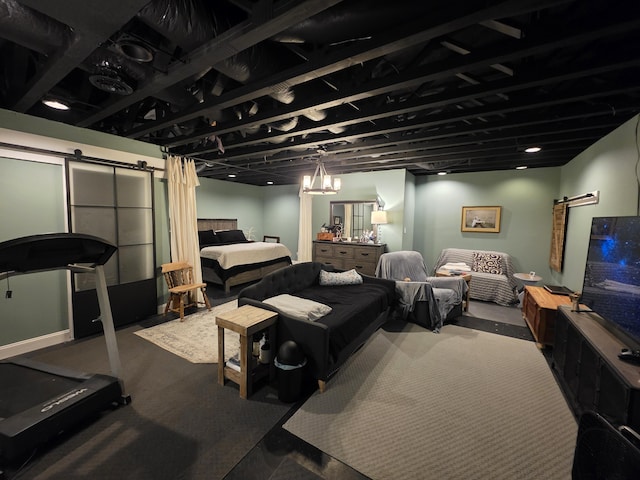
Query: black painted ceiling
263	89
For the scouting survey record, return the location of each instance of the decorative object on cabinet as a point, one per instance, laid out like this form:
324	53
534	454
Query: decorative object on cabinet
379	218
481	219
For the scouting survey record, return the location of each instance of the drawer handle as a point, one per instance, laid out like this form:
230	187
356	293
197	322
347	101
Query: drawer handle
342	252
364	254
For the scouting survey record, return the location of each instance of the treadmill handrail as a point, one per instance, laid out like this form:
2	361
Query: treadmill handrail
58	251
52	251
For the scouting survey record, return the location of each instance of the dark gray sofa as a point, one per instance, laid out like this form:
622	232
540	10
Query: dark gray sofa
357	312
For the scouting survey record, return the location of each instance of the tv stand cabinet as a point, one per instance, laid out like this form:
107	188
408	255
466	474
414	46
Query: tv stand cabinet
585	357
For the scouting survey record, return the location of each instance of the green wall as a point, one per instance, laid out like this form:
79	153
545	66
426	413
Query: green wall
526	198
268	210
389	185
32	202
610	166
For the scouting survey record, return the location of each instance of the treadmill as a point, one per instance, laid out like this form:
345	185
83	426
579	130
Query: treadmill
39	401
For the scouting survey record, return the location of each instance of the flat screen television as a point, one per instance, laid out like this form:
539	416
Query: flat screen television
611	285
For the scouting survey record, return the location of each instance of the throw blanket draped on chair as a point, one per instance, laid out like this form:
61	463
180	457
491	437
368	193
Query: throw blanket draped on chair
442	294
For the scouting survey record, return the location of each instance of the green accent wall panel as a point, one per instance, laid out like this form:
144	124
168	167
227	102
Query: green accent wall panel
32	202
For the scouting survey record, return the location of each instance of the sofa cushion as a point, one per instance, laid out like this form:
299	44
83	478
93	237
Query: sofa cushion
487	263
350	277
299	308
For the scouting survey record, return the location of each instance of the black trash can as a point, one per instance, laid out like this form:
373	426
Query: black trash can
289	362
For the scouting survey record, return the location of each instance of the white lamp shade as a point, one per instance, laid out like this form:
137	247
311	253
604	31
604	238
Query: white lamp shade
378	217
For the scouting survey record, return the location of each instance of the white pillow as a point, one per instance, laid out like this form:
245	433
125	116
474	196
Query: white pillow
350	277
299	308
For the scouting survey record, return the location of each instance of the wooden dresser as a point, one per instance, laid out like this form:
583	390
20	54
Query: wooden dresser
539	309
345	256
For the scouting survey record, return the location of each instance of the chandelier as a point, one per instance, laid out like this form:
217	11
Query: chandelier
325	186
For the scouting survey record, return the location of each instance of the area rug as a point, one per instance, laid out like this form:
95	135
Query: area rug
459	404
196	338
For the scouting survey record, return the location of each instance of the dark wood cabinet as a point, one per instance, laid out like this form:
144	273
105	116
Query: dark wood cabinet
585	358
345	256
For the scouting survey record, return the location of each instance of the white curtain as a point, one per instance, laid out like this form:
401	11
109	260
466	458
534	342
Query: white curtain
183	218
305	228
348	220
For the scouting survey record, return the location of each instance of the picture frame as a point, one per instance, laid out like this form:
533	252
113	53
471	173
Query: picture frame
481	219
337	220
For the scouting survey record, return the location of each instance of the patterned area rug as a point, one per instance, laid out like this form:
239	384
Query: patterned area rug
459	404
196	338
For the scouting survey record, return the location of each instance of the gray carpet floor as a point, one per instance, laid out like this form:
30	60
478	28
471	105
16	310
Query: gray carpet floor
497	313
462	404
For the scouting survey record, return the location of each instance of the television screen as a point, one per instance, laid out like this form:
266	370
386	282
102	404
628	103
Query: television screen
611	285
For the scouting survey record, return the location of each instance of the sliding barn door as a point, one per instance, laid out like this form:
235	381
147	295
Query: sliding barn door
114	203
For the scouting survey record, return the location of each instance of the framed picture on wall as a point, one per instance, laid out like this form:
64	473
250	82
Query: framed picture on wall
481	219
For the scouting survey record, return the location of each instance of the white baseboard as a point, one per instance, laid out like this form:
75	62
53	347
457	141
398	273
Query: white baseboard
26	346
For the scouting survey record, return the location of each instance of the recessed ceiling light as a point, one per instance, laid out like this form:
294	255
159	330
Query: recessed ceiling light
269	182
533	149
442	173
232	175
521	167
56	104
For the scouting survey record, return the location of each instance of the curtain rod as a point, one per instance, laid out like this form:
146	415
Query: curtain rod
587	199
78	155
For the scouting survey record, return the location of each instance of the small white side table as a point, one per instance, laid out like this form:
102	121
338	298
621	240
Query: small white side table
526	279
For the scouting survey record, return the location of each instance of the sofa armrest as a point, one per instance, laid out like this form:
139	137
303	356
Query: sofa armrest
390	286
457	284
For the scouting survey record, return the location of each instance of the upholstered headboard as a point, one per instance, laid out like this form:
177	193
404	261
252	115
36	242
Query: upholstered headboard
217	224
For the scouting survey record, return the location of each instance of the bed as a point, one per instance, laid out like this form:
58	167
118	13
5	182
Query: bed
229	259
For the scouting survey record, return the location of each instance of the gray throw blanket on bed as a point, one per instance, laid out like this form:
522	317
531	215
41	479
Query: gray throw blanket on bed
413	284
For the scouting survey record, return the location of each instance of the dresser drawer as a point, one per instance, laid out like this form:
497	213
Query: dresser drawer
366	268
337	263
322	250
366	254
343	251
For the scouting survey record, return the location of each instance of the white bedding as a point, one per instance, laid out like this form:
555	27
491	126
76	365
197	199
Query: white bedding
229	256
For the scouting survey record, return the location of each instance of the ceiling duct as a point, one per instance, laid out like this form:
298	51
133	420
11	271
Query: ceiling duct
134	50
187	23
112	79
31	29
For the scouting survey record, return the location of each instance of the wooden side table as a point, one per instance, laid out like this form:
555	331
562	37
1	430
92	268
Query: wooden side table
466	277
246	321
539	310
